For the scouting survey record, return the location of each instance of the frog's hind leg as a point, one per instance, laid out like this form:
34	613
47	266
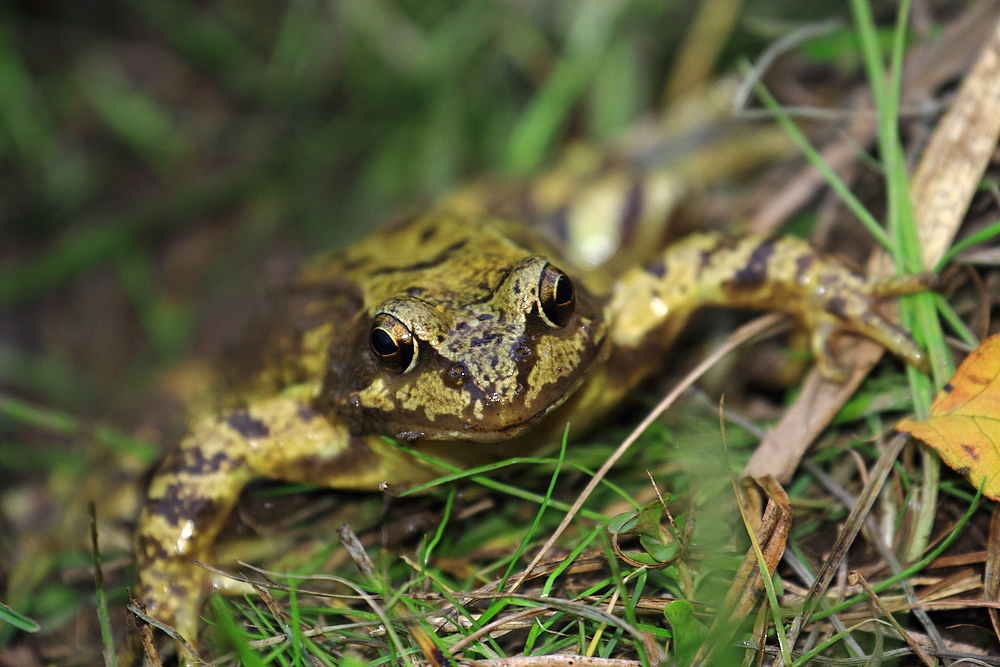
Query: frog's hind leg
780	273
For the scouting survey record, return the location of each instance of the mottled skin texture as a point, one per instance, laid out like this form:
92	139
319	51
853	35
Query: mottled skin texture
489	366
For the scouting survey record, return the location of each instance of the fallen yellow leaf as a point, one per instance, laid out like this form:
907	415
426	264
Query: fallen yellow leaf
964	426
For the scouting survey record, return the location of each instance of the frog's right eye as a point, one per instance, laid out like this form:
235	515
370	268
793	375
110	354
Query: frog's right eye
556	297
393	344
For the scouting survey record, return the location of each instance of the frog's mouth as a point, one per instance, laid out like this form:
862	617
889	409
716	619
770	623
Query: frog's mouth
515	430
504	424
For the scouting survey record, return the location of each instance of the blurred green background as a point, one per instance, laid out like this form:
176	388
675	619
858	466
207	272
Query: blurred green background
162	159
157	157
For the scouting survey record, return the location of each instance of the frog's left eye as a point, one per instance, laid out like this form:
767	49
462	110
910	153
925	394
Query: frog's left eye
393	344
556	297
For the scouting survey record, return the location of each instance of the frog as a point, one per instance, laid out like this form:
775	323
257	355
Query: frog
471	338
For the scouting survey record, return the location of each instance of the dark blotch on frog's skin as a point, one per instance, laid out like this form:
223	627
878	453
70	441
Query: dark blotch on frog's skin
455	376
151	548
195	463
948	387
837	306
428	234
631	212
440	258
704	258
247	426
802	264
755	271
485	339
306	413
657	268
177	589
178	504
721	243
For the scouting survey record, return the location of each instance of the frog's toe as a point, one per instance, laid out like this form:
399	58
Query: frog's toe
229	586
902	345
821	342
888	286
891	336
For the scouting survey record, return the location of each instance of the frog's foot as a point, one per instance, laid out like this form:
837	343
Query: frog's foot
173	593
850	305
172	606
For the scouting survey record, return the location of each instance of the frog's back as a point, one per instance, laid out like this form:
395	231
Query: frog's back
443	255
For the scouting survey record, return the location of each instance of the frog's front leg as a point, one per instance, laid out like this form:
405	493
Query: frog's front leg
652	304
199	483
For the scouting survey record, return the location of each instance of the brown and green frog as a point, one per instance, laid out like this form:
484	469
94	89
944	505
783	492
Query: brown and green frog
471	339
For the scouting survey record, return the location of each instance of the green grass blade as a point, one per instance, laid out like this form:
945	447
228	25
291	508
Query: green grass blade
816	160
18	620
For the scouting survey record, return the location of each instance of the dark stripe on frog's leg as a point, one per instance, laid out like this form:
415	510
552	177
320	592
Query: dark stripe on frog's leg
247	426
755	272
631	212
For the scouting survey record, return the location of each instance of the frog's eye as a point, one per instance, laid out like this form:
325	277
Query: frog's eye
393	344
556	297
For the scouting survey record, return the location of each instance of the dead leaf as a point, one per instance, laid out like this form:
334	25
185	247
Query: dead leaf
964	426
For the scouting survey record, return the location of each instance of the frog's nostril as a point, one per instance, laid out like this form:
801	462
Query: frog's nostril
456	375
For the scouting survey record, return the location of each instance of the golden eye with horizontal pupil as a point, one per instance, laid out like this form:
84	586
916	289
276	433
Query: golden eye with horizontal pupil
556	297
393	344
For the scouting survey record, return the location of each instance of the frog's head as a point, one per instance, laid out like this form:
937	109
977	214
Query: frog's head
482	358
